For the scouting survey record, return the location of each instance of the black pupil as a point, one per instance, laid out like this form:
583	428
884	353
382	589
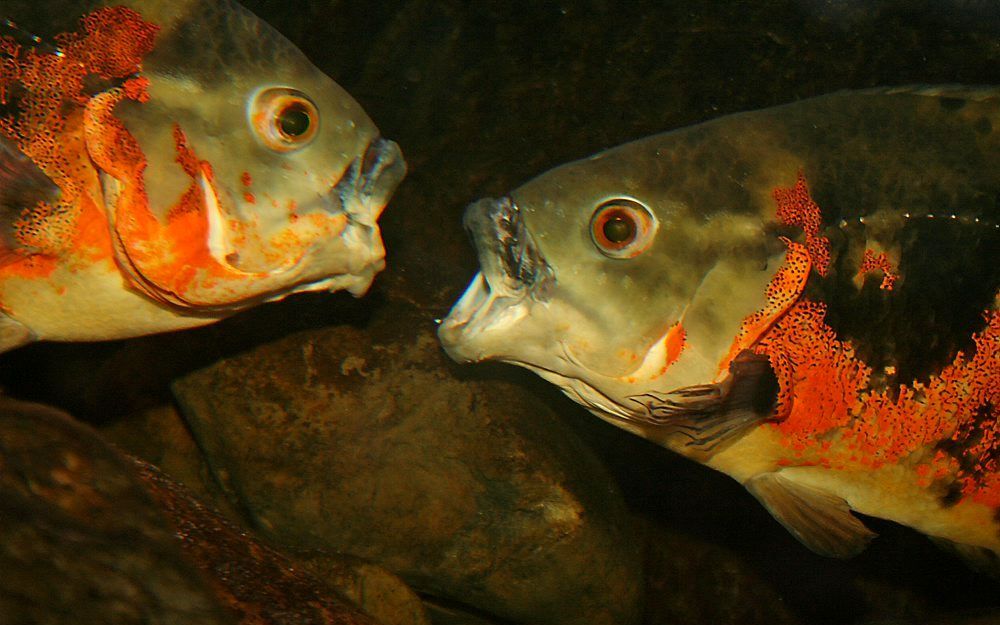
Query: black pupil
619	229
294	120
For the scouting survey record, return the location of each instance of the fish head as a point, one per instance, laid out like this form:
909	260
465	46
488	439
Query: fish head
296	171
611	279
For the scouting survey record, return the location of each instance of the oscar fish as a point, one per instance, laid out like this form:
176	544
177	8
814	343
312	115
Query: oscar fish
804	298
166	164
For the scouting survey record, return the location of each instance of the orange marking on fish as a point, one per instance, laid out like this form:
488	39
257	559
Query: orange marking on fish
872	262
824	393
782	291
675	341
249	198
826	386
826	412
246	179
45	124
818	376
795	207
69	134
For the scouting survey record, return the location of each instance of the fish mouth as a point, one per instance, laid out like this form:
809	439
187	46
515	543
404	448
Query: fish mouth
361	195
369	181
513	275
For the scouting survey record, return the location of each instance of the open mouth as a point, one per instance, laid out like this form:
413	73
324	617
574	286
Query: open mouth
513	274
508	255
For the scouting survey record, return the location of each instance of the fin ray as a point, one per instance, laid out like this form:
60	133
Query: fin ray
821	521
714	415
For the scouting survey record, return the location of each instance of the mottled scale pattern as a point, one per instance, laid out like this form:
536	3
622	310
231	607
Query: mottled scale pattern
42	99
873	262
830	414
795	207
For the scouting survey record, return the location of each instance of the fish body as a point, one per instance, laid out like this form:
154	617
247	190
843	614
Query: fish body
804	298
166	164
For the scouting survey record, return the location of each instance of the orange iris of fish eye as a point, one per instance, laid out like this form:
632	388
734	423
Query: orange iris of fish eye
622	228
284	119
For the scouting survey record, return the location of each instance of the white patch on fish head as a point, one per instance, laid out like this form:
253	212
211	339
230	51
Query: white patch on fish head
311	204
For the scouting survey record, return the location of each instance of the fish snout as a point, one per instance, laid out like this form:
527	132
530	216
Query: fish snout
371	180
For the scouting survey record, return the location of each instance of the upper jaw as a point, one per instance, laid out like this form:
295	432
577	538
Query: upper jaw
361	195
369	181
509	257
514	276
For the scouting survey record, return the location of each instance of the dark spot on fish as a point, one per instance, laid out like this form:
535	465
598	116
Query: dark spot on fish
937	306
951	104
960	448
765	393
951	496
983	126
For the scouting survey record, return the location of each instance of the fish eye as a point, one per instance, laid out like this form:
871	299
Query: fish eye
294	120
622	228
283	119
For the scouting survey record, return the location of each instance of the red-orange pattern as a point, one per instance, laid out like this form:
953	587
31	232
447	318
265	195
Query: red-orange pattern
828	415
782	291
797	208
824	398
48	97
872	262
165	259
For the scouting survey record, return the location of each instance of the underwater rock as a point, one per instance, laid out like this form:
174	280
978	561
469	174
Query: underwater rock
696	583
79	538
375	590
159	436
364	441
88	535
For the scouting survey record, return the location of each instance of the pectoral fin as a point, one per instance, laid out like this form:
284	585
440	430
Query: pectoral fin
820	520
714	415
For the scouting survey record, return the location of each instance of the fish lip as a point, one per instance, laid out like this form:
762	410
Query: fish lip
514	275
479	316
511	262
361	194
368	182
